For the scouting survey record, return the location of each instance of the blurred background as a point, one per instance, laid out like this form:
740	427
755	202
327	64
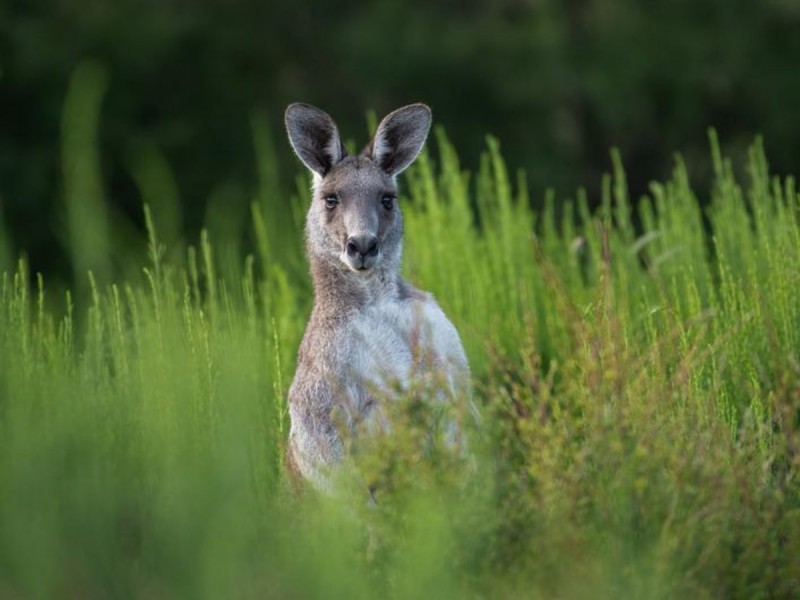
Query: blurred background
190	93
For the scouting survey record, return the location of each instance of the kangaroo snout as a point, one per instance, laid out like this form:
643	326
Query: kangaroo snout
365	245
361	251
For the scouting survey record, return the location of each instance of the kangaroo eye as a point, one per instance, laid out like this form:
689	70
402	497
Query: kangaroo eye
331	201
388	202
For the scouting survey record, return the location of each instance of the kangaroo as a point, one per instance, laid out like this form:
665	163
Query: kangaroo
371	333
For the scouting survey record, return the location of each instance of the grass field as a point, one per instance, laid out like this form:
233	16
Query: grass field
638	371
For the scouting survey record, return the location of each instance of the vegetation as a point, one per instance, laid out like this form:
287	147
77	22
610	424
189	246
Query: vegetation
637	367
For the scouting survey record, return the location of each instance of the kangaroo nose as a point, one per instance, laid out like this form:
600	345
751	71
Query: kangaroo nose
362	245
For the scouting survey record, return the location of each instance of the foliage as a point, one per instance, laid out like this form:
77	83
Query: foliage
637	371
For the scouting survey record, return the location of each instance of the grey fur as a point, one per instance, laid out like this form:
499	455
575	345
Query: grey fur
367	322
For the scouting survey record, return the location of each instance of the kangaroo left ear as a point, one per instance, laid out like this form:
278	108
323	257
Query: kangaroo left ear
400	137
314	137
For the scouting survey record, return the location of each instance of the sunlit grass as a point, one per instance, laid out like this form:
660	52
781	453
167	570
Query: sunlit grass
637	369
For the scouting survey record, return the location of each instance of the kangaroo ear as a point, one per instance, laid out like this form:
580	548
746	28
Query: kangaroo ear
314	137
400	137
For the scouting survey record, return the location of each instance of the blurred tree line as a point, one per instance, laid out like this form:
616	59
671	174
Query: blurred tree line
558	81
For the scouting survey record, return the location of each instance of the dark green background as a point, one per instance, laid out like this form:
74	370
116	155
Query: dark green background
558	82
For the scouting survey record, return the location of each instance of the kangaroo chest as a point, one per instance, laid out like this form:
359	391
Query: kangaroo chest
394	341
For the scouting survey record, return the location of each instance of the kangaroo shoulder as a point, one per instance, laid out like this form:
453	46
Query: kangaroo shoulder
443	334
406	291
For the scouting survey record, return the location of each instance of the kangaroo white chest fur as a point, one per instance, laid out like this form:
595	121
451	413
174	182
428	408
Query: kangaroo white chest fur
371	335
396	341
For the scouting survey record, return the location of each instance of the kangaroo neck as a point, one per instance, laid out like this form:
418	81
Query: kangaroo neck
339	291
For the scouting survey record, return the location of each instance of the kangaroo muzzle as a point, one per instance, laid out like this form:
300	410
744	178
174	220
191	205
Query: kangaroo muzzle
361	252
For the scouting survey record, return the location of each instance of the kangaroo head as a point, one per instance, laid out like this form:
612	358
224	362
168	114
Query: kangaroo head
354	220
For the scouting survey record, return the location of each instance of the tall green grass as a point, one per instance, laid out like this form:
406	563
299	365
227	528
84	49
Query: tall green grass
637	367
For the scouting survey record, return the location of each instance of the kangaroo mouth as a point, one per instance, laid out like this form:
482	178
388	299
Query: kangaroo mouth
360	264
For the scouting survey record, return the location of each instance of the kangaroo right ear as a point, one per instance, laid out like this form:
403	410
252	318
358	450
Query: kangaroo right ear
400	137
314	137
